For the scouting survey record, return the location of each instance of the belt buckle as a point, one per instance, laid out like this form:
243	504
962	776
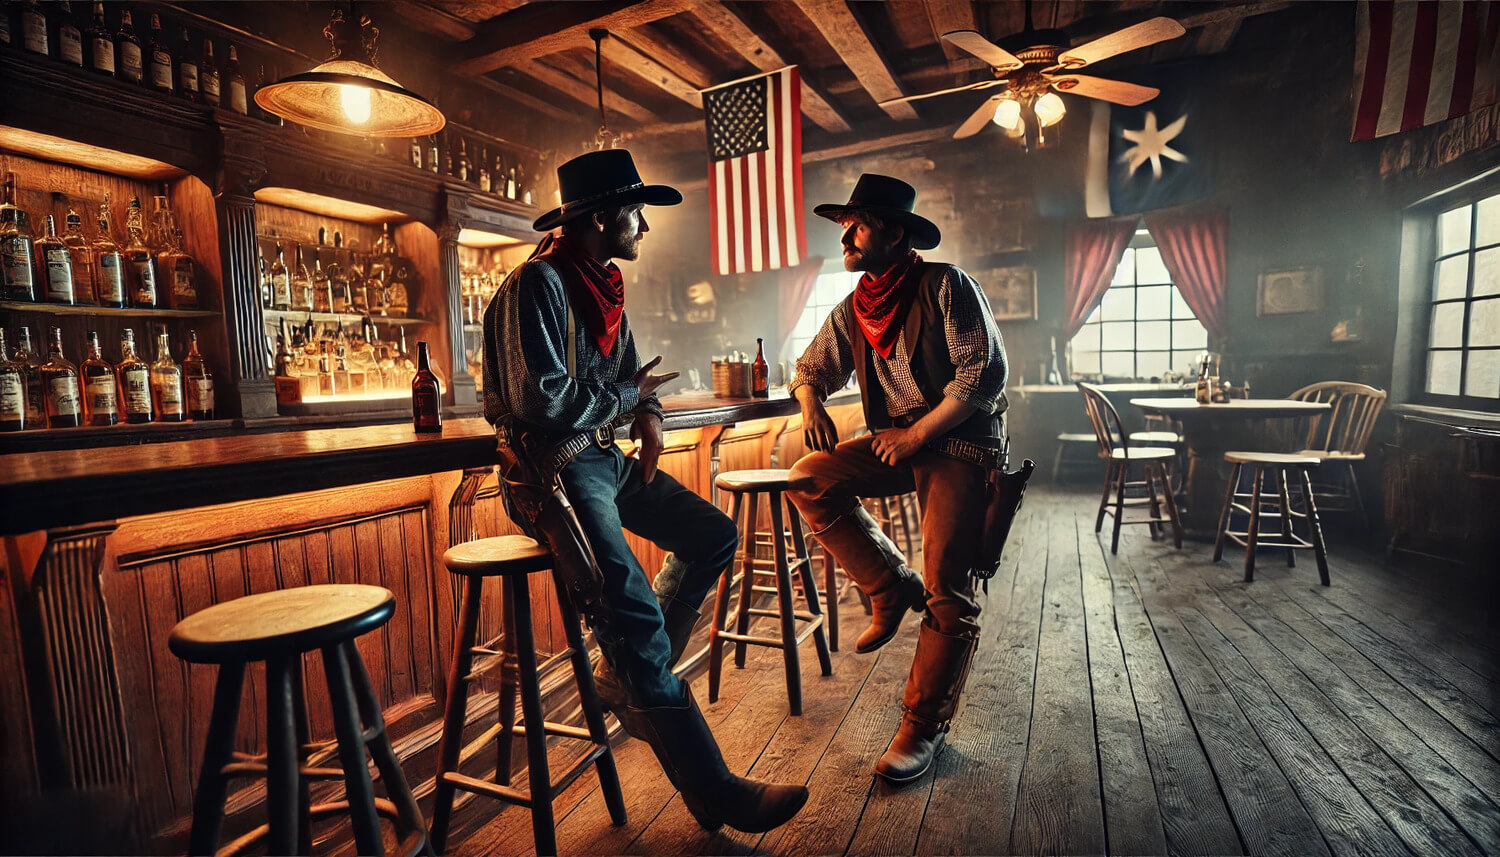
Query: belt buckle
604	436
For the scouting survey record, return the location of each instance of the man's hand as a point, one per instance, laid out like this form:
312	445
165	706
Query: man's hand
818	430
648	384
646	430
895	445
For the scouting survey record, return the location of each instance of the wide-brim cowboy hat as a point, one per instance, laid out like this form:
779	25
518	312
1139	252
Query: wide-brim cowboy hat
891	200
603	179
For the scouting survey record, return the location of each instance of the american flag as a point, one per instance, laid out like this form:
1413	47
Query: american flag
755	173
1420	63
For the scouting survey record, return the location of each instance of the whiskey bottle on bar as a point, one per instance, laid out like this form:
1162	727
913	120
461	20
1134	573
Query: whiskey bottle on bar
69	39
208	75
83	260
187	69
484	170
12	391
281	282
31	366
199	382
101	388
160	74
60	387
100	43
34	28
760	373
234	79
55	264
17	277
128	48
135	381
109	265
166	384
426	395
140	262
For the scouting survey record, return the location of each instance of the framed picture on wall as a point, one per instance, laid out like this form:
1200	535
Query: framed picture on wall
1290	290
1011	292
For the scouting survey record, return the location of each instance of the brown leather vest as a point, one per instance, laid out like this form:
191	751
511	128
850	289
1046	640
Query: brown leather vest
927	346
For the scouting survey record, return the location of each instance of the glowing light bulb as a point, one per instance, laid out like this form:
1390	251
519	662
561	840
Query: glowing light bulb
1008	116
356	103
1050	109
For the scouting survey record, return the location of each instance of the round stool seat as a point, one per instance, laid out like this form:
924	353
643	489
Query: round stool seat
1155	437
258	627
499	555
754	480
1142	453
1280	458
1077	437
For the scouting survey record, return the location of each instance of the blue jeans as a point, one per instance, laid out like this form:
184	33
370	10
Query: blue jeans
608	495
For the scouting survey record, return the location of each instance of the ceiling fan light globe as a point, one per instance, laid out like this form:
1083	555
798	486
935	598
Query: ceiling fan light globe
1008	116
1050	109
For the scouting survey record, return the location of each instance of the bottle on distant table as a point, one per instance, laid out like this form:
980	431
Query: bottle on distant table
128	48
234	79
101	388
12	390
1202	394
199	382
34	28
100	43
83	260
760	372
17	276
160	75
31	366
135	382
140	262
55	264
60	387
187	69
166	384
208	75
69	39
281	282
110	287
426	395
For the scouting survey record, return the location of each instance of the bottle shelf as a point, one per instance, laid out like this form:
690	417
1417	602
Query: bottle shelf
300	315
82	309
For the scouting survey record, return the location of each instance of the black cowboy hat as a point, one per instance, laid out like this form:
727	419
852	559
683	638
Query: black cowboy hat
602	179
889	199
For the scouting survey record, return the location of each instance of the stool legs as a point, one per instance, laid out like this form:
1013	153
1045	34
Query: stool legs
788	619
357	784
1286	516
208	799
456	710
810	589
1123	473
747	579
1316	526
593	711
831	593
721	614
384	756
283	777
1109	478
543	828
1252	529
1234	483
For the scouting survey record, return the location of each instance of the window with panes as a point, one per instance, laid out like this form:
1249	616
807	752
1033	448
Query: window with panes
1463	337
829	289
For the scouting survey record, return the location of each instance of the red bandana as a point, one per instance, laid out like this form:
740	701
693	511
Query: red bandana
880	303
597	292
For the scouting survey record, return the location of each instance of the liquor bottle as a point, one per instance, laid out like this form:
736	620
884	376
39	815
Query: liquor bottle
281	282
55	264
463	160
288	385
34	28
302	288
31	374
161	58
69	39
510	183
179	271
497	178
359	290
760	373
235	80
523	184
416	152
83	260
101	389
432	153
166	384
426	395
263	272
339	298
101	43
321	286
199	382
140	263
135	381
1202	394
12	391
187	69
17	278
484	170
109	265
208	75
128	47
60	387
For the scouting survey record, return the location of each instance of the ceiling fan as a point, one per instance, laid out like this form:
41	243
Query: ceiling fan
1034	65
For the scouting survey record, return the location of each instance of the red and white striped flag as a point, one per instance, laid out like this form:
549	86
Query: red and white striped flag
755	173
1416	63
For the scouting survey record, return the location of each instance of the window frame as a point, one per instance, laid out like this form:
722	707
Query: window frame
789	353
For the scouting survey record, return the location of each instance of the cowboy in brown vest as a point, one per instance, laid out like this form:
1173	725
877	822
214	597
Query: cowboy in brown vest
920	339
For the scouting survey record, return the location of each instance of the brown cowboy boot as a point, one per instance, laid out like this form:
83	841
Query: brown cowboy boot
877	567
938	673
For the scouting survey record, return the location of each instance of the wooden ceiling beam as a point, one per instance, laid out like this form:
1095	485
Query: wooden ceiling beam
432	20
732	29
947	16
836	150
1215	38
679	63
647	68
584	93
852	42
526	99
541	29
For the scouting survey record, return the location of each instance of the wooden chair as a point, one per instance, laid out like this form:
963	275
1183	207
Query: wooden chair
1108	430
1338	437
1255	505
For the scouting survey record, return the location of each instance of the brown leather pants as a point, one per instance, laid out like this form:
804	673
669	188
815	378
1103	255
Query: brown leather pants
950	494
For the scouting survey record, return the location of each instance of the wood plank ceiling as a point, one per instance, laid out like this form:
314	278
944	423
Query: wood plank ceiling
852	55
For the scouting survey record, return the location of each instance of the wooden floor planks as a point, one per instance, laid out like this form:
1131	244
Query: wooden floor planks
1141	703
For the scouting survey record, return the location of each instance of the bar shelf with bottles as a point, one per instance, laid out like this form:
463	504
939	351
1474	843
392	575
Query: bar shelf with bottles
484	261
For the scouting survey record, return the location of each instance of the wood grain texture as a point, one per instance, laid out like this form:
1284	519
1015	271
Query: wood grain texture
848	36
535	31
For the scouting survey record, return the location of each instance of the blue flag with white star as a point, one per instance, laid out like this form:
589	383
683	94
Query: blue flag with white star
1152	156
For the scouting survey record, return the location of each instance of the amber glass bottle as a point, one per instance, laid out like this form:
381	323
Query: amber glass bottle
135	382
101	389
199	382
426	395
60	387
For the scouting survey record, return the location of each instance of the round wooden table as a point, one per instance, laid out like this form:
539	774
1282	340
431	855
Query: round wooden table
1209	431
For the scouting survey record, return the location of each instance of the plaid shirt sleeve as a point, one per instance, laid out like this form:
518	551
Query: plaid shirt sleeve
974	343
829	359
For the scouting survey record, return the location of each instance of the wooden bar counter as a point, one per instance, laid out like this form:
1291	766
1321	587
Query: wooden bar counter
107	548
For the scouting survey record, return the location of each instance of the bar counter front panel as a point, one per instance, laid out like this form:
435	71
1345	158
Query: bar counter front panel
107	549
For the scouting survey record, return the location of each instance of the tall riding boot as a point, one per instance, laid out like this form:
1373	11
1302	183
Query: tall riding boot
679	619
938	673
877	567
691	759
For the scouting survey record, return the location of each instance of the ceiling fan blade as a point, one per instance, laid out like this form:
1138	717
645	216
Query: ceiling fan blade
1104	89
983	84
971	41
976	121
1131	38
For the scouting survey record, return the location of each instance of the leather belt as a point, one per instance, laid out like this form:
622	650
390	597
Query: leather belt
988	457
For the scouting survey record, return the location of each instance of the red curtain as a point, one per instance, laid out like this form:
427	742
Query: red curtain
796	287
1094	249
1193	247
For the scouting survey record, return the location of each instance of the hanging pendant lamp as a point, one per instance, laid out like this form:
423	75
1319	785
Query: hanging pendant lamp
348	94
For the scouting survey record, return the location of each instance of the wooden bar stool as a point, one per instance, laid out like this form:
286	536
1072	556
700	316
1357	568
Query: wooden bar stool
1279	466
746	486
278	627
513	558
